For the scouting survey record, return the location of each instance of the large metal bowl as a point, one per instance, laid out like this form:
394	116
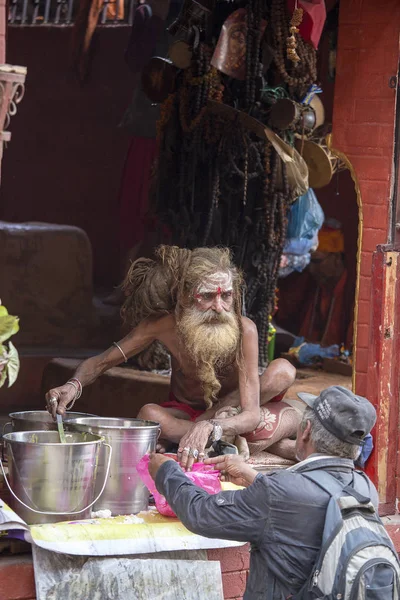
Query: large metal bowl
38	420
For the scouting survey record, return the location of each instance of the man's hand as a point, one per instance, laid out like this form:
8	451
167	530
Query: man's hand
233	469
193	443
58	399
155	462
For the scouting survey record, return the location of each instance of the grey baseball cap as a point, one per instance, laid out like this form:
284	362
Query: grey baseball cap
347	416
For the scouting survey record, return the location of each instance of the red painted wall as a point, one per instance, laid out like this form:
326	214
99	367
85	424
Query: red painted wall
363	128
64	162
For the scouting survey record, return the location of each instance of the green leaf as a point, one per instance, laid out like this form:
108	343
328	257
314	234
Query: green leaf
3	375
8	327
3	311
13	364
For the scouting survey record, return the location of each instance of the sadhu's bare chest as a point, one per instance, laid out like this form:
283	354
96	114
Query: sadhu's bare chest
187	373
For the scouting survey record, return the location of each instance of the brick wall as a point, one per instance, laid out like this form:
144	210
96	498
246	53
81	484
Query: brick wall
363	128
17	580
234	567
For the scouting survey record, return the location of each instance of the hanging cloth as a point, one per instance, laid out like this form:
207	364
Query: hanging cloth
313	19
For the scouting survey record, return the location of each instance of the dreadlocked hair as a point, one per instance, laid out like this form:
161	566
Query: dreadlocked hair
166	284
150	286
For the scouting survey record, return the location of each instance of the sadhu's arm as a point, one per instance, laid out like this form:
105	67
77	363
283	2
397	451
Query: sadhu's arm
89	370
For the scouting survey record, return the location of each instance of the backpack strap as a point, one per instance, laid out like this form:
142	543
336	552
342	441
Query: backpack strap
333	487
359	488
325	481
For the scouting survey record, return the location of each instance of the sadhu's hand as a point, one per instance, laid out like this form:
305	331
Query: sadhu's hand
58	399
233	469
155	462
193	443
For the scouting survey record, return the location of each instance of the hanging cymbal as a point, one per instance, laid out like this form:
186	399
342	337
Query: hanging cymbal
319	164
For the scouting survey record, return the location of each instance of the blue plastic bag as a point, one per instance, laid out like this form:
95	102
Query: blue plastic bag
306	217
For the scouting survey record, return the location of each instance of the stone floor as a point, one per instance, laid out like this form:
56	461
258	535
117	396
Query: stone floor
313	381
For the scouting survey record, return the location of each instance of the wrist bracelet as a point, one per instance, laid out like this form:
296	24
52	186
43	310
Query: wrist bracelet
71	405
79	385
74	386
122	352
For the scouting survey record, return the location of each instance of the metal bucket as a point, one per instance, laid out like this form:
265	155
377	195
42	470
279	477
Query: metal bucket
36	420
130	439
50	481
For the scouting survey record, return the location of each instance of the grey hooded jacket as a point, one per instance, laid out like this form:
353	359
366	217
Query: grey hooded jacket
281	514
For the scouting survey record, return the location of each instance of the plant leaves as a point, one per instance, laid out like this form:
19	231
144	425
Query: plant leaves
3	311
3	375
13	364
8	327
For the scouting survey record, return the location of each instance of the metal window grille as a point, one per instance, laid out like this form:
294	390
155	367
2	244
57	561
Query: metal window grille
63	12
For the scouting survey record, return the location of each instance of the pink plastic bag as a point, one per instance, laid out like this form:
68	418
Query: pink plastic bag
202	475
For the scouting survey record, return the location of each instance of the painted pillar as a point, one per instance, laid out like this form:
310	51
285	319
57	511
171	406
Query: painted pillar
383	373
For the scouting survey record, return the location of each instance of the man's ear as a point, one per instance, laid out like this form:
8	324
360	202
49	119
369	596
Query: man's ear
306	435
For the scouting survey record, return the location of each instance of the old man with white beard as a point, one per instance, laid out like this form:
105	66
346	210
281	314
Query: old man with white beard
190	301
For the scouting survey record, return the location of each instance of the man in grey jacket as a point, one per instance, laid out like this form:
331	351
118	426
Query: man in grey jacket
281	514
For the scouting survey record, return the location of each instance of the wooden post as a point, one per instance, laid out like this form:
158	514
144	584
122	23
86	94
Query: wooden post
383	373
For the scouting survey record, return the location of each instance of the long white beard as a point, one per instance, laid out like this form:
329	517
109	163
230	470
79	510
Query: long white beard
211	340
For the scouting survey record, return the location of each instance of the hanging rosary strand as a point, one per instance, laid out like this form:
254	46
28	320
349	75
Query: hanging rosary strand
291	41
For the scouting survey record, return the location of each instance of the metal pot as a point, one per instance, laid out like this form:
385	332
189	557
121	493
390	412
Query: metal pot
50	481
130	439
38	420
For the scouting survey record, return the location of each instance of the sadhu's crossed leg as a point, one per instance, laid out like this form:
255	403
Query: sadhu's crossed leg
274	383
276	431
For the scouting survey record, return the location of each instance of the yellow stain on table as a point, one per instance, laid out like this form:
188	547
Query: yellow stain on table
154	525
